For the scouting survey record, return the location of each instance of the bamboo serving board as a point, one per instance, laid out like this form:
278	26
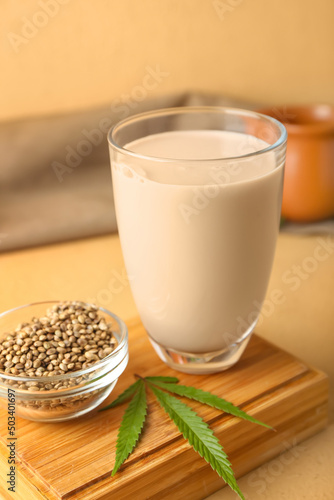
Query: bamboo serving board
73	460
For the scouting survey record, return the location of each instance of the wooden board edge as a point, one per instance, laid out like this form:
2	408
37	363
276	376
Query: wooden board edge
28	486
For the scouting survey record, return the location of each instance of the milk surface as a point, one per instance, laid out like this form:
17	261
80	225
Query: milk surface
198	238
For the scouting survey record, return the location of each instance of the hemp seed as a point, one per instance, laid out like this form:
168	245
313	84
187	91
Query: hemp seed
71	336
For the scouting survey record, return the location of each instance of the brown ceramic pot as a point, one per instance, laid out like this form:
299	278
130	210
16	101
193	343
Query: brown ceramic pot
308	193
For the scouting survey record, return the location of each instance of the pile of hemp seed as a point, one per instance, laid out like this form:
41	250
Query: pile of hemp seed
71	336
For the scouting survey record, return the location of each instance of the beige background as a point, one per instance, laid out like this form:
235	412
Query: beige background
87	53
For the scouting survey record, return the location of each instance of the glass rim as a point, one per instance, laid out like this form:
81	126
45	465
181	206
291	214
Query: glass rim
103	362
195	109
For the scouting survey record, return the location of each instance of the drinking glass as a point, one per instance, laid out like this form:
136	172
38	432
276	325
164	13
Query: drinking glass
198	194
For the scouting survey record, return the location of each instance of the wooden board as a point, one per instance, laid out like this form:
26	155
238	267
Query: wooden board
73	460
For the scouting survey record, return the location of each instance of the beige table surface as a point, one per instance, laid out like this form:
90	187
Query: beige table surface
302	323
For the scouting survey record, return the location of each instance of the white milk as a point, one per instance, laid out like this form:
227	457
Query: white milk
198	241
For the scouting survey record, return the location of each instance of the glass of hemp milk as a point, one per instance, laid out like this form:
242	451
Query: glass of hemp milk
198	194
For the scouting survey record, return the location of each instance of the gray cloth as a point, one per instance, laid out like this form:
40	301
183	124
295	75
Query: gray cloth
321	227
55	178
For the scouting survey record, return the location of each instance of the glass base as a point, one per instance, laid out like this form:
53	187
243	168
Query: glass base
201	363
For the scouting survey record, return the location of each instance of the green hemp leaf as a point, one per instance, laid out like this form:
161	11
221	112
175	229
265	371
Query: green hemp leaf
193	428
130	391
208	399
131	426
199	435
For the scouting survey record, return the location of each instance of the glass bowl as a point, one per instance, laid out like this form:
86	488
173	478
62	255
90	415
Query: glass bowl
69	395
